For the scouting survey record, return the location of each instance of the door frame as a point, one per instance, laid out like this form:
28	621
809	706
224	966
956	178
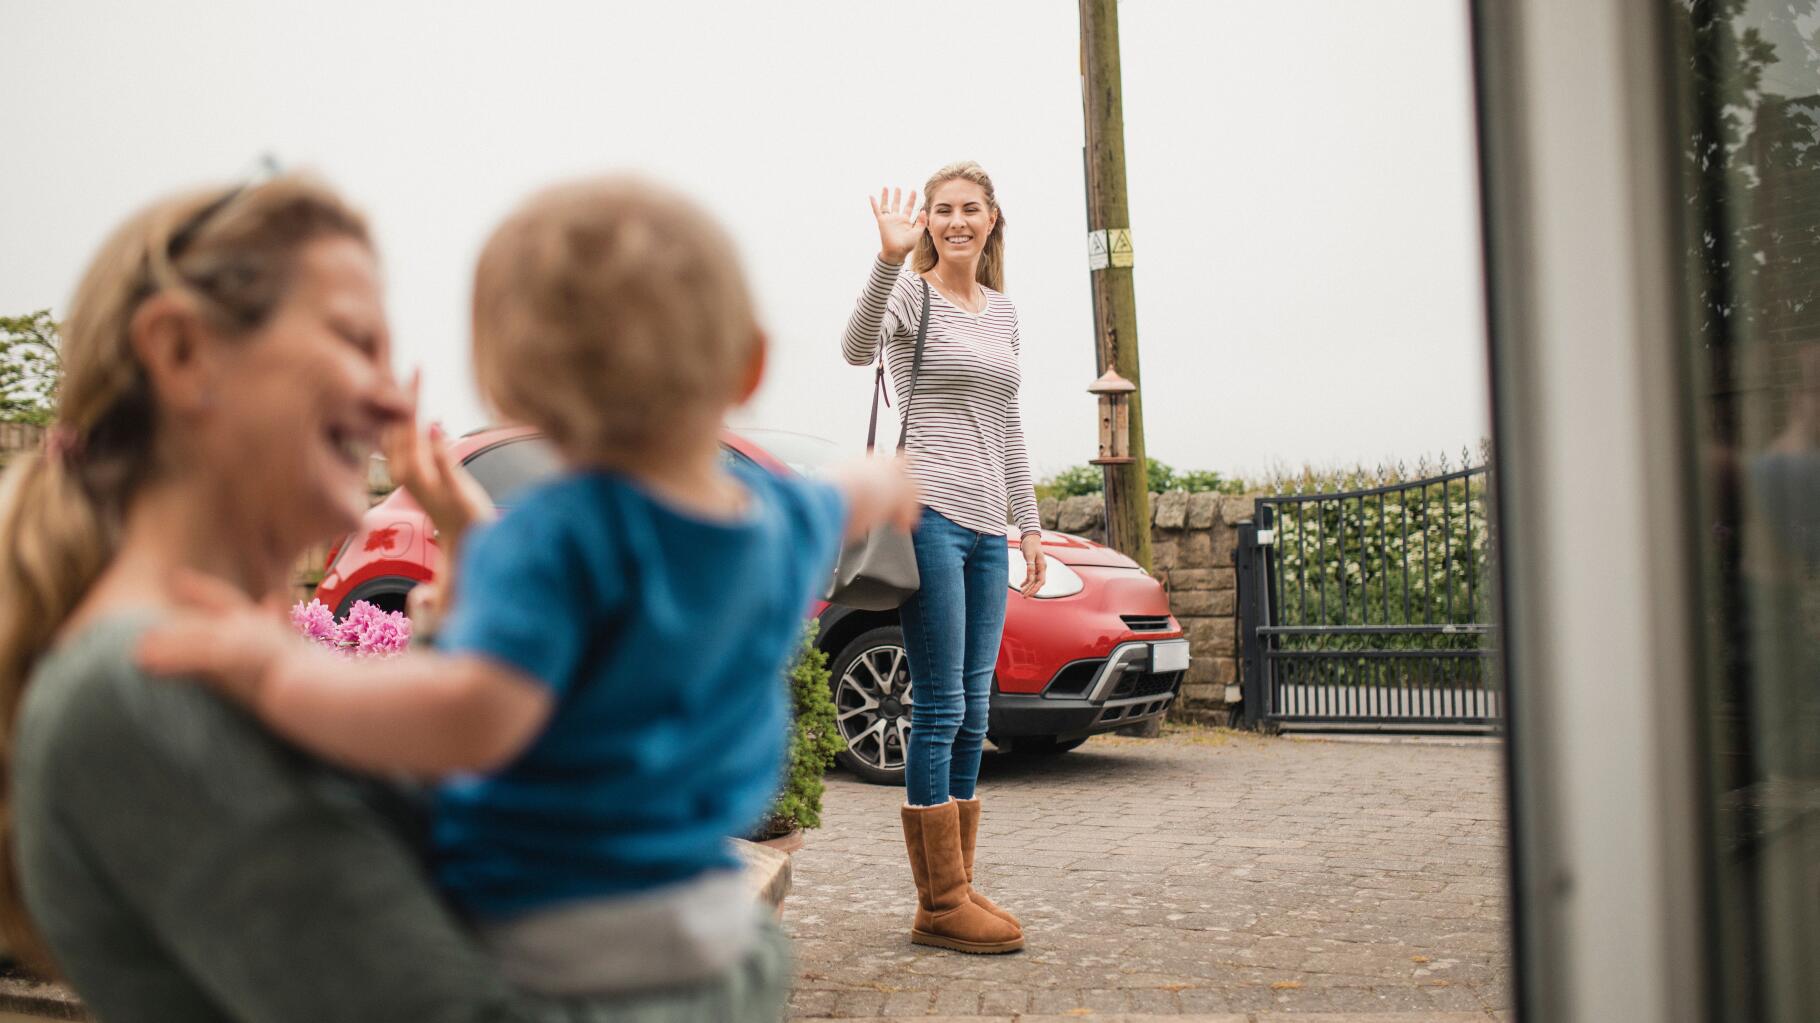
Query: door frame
1579	178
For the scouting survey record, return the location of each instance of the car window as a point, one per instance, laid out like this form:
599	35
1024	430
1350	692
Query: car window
805	453
504	469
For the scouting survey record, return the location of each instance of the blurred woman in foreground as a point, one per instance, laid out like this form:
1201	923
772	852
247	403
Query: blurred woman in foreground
226	373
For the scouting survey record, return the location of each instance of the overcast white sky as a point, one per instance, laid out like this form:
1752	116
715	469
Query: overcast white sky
1302	179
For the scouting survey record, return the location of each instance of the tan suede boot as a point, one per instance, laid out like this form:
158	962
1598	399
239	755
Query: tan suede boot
970	830
945	916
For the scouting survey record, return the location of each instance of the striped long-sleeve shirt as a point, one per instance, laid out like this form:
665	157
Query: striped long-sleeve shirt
966	433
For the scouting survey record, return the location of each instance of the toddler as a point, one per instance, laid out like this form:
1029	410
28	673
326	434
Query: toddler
605	699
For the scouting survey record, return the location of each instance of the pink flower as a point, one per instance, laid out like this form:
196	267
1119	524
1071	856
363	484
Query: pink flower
366	632
315	621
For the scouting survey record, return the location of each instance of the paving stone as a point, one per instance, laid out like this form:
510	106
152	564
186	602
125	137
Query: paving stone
852	1004
998	1001
1155	1001
1202	875
805	1003
1097	1017
906	1003
1060	1001
1359	1017
1203	1000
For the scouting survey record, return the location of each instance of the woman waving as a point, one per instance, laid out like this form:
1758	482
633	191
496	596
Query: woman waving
966	453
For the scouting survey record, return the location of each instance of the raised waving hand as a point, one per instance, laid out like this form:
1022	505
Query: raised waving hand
420	462
900	224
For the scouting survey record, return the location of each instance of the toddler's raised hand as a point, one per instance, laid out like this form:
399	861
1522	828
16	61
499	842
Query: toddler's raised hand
420	462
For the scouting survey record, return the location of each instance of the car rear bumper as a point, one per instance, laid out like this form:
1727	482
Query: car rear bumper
1085	699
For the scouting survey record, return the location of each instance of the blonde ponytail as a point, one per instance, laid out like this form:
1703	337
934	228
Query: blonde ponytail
991	271
232	251
56	545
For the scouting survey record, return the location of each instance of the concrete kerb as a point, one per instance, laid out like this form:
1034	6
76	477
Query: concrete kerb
1390	739
1266	1017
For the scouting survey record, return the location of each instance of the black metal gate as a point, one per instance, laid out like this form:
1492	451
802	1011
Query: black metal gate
1370	608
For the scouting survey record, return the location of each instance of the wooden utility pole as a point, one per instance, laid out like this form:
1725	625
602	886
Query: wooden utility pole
1110	259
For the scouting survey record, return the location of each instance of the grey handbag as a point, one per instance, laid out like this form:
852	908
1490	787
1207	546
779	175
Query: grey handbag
877	572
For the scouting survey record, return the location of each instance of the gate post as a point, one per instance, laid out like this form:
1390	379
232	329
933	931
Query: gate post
1253	577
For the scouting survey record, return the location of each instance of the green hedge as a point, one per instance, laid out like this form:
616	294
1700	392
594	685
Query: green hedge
1409	557
1080	480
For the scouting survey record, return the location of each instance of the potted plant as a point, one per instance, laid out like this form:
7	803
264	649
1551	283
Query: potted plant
813	742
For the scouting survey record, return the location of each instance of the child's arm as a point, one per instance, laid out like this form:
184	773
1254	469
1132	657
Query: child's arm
878	492
422	714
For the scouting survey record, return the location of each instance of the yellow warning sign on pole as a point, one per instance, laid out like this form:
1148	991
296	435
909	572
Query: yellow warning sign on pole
1109	247
1118	244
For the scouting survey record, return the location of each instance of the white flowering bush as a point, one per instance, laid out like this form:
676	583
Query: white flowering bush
1400	555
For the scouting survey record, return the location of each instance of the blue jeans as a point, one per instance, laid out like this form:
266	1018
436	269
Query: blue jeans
952	627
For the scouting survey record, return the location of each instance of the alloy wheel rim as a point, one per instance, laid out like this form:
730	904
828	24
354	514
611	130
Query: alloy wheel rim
874	684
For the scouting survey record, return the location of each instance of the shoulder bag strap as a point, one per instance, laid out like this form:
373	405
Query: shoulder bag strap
879	390
916	370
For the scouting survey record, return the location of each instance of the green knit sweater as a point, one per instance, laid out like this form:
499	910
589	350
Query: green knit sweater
185	865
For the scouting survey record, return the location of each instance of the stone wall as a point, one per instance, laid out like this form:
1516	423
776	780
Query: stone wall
1192	540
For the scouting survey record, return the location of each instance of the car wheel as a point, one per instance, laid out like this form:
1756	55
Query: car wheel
871	683
387	594
1040	745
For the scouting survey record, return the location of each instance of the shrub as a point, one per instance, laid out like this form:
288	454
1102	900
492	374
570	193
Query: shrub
1072	482
814	740
1077	480
1198	481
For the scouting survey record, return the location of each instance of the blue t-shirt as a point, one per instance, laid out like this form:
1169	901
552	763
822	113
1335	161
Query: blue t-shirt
663	638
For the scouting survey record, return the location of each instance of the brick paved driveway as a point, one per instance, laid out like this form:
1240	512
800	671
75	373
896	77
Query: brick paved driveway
1211	874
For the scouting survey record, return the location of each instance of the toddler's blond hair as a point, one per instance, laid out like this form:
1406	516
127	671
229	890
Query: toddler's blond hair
610	313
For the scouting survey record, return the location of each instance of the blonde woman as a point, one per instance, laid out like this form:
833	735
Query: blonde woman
227	370
966	453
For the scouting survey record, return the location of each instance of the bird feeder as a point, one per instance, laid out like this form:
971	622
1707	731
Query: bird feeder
1115	393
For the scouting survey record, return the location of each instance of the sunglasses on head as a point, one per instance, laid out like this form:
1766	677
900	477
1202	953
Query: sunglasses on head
266	169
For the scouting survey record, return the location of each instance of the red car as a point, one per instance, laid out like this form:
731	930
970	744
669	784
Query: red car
1095	650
